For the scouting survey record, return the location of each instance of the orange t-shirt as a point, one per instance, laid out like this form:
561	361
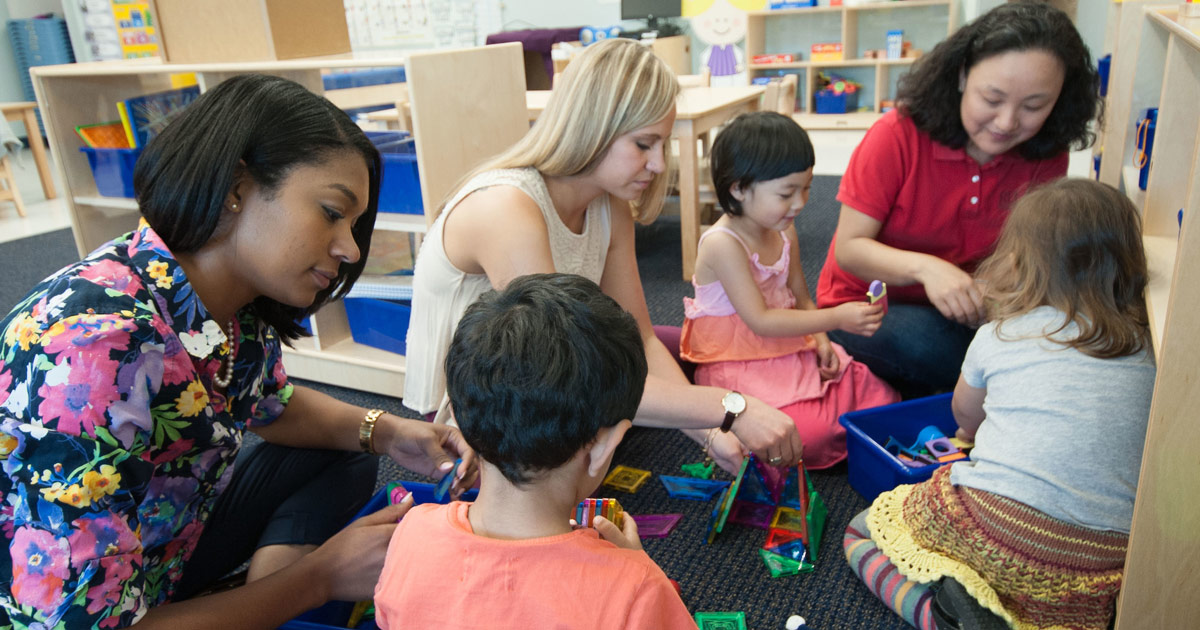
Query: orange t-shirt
439	574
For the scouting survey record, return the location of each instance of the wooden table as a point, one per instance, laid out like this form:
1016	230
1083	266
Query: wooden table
24	111
697	111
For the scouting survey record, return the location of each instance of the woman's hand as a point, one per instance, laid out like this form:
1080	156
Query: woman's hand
769	433
726	450
428	449
828	362
952	291
859	318
352	559
625	537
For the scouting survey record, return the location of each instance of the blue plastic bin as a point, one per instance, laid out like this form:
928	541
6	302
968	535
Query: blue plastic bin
113	170
400	183
379	323
830	103
871	468
333	615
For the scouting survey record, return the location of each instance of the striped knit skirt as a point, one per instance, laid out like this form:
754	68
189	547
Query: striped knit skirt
1033	570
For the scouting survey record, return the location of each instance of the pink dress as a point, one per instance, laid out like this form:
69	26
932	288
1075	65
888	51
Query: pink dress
780	371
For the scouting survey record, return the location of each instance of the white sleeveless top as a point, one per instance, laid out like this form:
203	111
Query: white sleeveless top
442	293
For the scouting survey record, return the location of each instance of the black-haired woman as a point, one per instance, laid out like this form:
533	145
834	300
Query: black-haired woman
127	381
991	112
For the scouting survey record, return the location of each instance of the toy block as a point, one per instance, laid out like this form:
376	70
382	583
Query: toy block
788	518
699	470
589	509
626	479
396	492
773	478
721	620
791	495
656	525
441	492
777	537
877	292
952	457
752	514
754	489
794	550
779	565
689	488
939	447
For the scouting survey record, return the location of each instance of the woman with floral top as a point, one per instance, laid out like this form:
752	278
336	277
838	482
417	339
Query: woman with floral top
127	381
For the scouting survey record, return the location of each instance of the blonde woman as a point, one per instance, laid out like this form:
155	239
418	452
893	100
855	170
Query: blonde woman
564	199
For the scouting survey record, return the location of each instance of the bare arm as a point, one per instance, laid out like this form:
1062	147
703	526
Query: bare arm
312	419
950	289
722	257
967	405
499	232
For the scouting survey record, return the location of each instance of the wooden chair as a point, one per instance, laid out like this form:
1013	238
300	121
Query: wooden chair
9	192
458	124
787	95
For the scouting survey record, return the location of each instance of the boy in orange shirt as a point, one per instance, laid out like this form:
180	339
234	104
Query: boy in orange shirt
543	378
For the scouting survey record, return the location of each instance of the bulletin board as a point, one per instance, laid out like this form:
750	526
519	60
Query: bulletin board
391	24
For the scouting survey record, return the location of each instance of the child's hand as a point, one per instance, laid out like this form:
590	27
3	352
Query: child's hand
828	363
626	538
860	318
964	435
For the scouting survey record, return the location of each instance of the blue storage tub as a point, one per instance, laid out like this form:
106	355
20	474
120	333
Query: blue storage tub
379	323
113	170
333	615
871	468
400	183
830	103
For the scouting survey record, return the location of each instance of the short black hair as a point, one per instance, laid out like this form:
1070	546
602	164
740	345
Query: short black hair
929	94
536	370
757	147
271	125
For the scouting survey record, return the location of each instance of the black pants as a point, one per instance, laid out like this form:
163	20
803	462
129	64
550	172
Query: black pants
278	496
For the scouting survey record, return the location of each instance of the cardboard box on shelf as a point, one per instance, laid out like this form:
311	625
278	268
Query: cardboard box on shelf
827	52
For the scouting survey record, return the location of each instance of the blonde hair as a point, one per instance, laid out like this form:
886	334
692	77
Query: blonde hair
1075	245
612	88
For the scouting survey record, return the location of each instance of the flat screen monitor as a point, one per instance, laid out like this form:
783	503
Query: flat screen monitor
643	9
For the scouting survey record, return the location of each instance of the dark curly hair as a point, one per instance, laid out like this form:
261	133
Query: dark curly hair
536	370
929	93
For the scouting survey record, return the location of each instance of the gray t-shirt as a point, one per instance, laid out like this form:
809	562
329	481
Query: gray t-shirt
1064	431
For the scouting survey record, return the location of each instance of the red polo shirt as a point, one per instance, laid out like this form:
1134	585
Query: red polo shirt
930	198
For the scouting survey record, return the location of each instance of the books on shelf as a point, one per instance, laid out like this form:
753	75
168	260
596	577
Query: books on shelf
143	117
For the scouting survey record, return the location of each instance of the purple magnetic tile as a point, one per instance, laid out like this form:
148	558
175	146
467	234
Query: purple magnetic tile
656	525
752	514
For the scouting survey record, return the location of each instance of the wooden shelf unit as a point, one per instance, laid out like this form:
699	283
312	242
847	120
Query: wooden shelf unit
77	94
765	34
1156	63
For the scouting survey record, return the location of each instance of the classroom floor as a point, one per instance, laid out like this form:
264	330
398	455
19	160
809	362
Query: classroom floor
833	149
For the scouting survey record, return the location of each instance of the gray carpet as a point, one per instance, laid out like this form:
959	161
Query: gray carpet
725	576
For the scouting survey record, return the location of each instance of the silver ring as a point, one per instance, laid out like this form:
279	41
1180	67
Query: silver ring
775	460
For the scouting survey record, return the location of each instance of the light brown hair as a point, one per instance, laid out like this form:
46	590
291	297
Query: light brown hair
1075	245
610	89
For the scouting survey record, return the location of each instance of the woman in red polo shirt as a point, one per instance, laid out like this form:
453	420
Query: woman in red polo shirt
990	113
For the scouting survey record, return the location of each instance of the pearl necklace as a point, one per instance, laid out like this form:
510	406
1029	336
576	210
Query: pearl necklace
230	346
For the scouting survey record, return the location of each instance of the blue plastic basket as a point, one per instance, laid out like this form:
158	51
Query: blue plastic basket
870	467
379	323
400	182
112	169
830	103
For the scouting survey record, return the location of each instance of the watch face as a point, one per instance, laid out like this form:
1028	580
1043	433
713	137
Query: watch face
734	403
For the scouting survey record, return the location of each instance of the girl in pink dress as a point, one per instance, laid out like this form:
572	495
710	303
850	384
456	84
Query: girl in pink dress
752	326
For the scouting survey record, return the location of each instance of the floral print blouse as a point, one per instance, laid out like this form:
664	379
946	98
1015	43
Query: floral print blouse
114	442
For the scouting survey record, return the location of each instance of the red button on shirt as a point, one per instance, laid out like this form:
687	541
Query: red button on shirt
930	198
